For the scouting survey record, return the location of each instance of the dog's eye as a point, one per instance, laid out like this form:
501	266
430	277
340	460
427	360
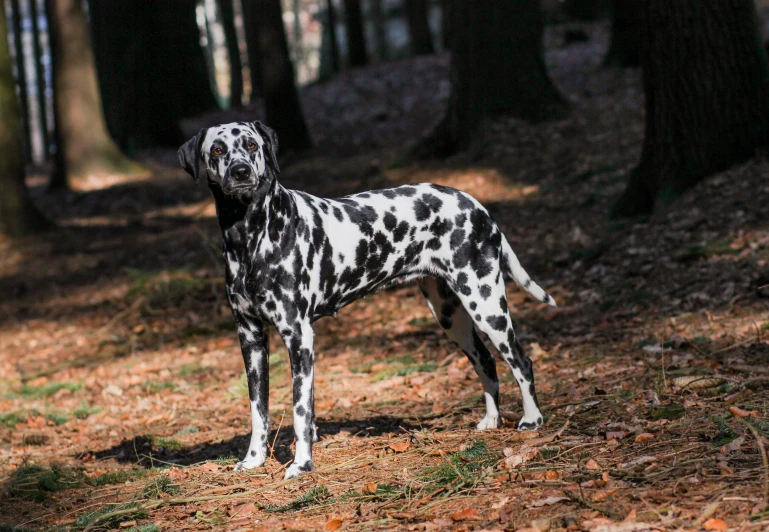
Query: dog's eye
217	151
252	145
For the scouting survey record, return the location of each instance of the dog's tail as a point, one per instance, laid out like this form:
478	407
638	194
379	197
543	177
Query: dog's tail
520	276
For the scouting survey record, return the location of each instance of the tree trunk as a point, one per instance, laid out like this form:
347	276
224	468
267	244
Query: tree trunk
251	25
152	70
227	12
21	80
497	68
18	216
85	144
625	47
40	80
586	10
419	27
706	84
281	100
356	35
333	39
380	30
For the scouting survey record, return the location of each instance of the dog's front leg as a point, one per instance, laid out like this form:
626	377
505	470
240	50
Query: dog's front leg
254	343
299	341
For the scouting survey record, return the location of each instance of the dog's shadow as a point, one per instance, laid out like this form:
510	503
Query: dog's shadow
148	452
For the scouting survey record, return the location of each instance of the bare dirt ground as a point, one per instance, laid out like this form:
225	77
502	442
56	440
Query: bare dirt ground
123	402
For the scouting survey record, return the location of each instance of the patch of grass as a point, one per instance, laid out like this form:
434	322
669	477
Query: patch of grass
423	323
725	432
188	370
48	389
462	467
160	484
155	387
57	417
118	477
83	411
226	460
11	419
167	443
702	342
187	430
408	370
315	496
34	482
669	411
765	326
238	388
363	368
110	522
215	517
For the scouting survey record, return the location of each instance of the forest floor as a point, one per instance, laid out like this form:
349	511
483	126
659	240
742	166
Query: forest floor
122	396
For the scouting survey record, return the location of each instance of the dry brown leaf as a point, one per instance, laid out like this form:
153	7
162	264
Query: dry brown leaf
602	495
739	412
514	459
333	524
242	510
523	435
128	524
369	489
615	435
631	516
733	445
400	446
644	436
592	464
468	514
548	501
715	524
500	504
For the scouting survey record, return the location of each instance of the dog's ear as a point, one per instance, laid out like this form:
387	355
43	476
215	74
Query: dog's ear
189	154
270	143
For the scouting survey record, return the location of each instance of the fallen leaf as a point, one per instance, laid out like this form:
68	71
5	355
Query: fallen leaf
631	516
644	436
333	524
524	454
715	524
211	466
242	510
468	514
592	464
602	495
541	525
739	412
369	489
523	435
615	435
400	446
548	501
500	504
733	445
128	524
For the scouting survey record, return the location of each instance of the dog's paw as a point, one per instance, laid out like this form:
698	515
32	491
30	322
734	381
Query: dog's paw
529	424
489	422
294	470
250	462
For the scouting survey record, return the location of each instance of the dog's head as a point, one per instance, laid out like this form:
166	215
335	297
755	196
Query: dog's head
241	157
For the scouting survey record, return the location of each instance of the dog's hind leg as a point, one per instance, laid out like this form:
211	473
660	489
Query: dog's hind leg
254	343
458	325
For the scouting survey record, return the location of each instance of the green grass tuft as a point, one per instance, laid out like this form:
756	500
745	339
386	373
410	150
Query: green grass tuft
118	477
167	443
188	430
314	496
33	482
670	411
11	419
83	411
160	484
463	466
407	370
47	390
226	460
110	522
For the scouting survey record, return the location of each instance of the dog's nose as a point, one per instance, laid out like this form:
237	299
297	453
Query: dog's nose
241	172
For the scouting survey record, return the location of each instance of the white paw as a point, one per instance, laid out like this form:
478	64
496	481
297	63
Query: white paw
529	423
488	422
294	470
250	462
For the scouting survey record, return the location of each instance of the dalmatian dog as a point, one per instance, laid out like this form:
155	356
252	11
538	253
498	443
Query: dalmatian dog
292	258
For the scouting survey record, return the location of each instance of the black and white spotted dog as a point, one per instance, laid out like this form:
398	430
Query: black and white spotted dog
292	258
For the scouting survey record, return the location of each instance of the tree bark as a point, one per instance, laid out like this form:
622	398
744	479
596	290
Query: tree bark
251	25
706	84
18	216
281	100
356	35
333	39
86	146
497	68
625	48
380	30
227	12
152	70
419	27
21	75
40	78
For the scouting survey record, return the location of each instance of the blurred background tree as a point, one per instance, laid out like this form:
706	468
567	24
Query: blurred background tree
356	38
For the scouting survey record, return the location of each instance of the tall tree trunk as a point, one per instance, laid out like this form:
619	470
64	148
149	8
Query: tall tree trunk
419	27
332	36
380	30
21	75
251	27
152	70
227	12
485	36
586	9
356	35
18	216
40	80
281	100
706	83
625	48
86	146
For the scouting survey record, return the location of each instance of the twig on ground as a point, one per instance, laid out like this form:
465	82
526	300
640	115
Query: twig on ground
764	458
